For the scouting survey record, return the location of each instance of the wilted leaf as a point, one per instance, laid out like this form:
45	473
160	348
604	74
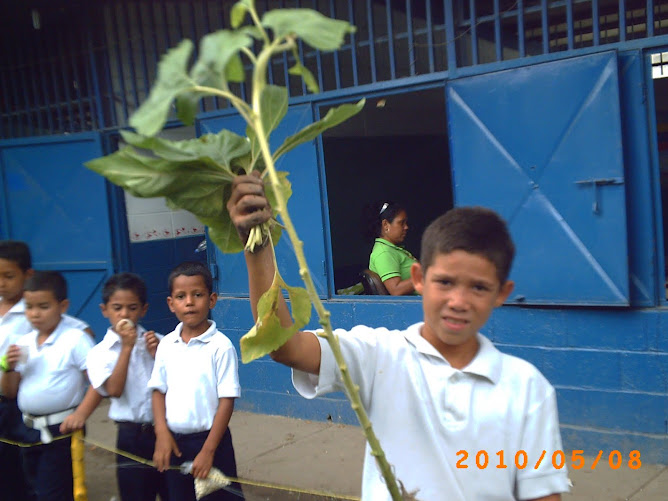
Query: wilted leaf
267	334
317	30
285	187
300	70
216	50
172	79
333	118
238	13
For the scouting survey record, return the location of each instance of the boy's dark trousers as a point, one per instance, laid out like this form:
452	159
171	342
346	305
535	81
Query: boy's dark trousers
182	487
48	467
137	482
14	485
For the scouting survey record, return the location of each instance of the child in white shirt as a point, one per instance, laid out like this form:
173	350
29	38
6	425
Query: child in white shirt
46	369
120	367
195	381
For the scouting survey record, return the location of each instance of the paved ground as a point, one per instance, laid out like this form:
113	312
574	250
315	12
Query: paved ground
310	456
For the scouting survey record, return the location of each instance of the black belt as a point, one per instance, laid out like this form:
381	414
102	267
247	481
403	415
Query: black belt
4	399
138	427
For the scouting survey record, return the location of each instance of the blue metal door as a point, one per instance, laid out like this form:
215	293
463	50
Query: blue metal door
542	145
60	208
304	206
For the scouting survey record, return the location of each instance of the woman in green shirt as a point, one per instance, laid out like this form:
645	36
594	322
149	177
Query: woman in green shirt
389	224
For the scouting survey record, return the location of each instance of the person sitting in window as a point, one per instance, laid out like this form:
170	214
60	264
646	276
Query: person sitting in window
388	224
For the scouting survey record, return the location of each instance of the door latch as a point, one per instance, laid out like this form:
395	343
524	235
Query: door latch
595	184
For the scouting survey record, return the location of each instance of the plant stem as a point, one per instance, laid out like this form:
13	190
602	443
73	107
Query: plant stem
351	388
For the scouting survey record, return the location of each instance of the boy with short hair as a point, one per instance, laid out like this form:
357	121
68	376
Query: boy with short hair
438	391
15	269
120	367
46	368
194	381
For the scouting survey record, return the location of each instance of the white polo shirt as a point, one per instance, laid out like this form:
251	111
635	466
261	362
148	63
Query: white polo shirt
134	404
194	376
14	324
52	380
424	412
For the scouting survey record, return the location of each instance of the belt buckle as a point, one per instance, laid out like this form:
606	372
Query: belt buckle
145	427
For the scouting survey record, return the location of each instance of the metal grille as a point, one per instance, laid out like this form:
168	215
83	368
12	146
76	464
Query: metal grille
77	66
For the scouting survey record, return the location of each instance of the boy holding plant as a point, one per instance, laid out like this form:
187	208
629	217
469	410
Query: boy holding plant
439	391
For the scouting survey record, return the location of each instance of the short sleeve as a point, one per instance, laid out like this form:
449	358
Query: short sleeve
75	323
359	347
81	349
386	264
100	364
158	380
541	434
227	372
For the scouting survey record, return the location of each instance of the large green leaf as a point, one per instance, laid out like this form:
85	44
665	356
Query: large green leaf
315	29
333	118
140	175
267	334
221	230
215	150
172	79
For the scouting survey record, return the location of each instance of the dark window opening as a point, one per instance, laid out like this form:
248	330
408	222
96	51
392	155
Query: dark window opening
395	149
660	79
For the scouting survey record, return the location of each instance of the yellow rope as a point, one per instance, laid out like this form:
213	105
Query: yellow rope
253	483
147	462
32	444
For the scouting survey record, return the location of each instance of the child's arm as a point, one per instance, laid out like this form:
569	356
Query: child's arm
249	207
11	378
164	441
204	459
115	384
77	419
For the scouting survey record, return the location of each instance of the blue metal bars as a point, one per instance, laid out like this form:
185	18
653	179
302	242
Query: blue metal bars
71	65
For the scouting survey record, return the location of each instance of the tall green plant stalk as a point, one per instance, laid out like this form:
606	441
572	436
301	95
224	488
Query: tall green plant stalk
196	174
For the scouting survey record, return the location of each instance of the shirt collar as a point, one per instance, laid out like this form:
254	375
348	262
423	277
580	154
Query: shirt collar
54	335
205	337
19	307
487	362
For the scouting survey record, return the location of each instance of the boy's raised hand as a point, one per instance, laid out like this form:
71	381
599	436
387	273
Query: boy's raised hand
248	206
127	331
151	342
13	357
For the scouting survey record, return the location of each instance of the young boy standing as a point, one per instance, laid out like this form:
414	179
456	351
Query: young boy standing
46	368
120	367
439	391
194	381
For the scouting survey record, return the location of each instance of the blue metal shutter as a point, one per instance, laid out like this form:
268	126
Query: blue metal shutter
304	206
60	208
542	145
